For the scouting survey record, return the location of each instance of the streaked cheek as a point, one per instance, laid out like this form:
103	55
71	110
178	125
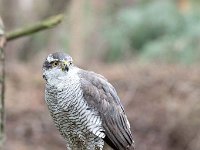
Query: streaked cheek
47	65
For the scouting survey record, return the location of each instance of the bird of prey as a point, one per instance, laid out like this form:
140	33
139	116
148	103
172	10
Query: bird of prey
84	106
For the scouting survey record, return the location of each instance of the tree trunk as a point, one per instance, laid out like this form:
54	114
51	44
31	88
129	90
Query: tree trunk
2	83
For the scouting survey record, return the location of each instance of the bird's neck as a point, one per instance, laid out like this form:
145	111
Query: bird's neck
61	80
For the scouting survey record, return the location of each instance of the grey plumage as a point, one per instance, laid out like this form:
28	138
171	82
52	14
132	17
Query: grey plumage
84	106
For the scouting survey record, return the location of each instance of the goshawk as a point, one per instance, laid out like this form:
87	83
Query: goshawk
84	106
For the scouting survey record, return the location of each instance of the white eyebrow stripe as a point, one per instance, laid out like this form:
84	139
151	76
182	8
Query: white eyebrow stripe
50	59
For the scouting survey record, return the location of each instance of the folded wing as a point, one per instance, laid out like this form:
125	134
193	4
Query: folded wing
102	97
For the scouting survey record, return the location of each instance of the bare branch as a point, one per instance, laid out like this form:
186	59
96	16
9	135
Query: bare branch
43	25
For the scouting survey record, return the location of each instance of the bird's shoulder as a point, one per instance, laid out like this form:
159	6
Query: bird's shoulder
97	90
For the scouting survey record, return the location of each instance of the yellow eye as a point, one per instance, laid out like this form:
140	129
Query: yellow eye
55	63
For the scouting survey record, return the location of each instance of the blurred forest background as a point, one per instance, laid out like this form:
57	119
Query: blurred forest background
148	49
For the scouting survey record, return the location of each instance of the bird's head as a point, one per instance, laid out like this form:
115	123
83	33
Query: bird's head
56	65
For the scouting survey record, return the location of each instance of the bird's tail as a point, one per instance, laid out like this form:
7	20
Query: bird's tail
132	146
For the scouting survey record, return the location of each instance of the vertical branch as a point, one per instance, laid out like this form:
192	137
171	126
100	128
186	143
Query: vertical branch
2	84
40	26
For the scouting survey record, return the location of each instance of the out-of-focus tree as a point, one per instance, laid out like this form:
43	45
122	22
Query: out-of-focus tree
77	30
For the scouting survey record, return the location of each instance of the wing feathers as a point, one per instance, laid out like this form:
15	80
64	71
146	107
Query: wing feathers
102	97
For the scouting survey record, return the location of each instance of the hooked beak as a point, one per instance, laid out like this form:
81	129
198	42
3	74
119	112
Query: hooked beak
65	65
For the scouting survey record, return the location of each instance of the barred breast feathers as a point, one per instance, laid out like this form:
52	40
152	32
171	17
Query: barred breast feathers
70	100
